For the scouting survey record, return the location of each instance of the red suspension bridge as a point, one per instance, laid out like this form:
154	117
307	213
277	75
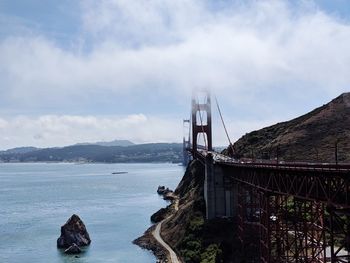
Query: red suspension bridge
299	212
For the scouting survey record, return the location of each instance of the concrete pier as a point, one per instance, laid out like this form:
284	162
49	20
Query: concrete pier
220	196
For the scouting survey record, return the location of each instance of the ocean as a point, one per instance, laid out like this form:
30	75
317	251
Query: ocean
37	198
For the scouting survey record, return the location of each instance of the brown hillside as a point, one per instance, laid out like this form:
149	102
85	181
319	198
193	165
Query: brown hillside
311	137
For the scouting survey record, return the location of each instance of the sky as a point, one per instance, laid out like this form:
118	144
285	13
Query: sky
92	70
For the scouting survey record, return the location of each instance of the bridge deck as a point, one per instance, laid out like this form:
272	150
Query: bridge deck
328	183
280	165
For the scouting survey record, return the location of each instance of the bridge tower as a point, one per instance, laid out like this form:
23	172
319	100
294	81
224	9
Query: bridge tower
186	142
218	194
201	121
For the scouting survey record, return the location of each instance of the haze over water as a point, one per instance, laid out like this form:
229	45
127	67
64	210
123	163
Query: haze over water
36	199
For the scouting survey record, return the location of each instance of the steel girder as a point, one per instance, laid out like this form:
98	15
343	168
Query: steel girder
330	187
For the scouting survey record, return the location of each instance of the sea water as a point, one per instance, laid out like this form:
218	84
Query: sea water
36	199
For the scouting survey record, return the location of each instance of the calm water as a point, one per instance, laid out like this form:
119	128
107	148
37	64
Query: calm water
36	199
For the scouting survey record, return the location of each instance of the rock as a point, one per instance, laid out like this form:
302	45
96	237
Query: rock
159	215
160	190
169	196
163	191
73	249
73	232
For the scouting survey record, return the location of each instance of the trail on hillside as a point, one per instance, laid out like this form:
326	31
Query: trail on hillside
156	234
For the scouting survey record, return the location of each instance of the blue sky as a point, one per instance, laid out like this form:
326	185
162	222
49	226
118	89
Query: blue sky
91	70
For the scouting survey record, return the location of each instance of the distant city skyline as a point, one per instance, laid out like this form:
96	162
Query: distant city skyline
98	70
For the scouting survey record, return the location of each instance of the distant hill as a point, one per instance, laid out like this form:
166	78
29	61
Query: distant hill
111	143
311	137
153	152
19	150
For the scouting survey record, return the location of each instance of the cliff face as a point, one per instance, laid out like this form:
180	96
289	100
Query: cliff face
311	137
188	206
187	231
191	201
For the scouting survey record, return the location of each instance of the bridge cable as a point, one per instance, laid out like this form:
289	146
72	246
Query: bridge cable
223	123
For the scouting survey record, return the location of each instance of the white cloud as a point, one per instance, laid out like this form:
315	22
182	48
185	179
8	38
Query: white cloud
142	22
3	123
256	48
261	56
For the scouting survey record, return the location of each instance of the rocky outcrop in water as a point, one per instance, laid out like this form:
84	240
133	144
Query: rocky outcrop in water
166	193
162	190
73	232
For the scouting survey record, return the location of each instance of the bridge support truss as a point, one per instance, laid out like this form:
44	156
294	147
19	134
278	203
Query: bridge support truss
291	228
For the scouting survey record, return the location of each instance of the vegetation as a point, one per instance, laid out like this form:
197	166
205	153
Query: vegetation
194	247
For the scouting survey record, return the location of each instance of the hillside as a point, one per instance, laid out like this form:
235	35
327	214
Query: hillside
311	137
19	150
111	143
153	152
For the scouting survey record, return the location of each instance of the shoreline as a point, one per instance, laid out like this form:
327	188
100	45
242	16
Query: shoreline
148	241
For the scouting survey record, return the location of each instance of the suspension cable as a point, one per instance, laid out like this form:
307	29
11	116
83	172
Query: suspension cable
223	124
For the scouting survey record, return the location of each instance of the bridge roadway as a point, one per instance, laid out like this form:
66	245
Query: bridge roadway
328	183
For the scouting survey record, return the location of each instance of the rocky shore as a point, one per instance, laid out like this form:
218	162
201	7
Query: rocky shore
178	213
147	240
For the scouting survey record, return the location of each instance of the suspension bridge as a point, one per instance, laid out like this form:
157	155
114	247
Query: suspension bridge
298	212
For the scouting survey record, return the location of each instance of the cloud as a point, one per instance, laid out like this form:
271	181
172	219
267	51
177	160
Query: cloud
256	46
139	23
3	123
266	60
61	130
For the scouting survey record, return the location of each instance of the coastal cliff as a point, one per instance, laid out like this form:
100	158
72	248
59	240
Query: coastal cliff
192	237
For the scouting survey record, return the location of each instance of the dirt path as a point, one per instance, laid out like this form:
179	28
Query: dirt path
156	234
